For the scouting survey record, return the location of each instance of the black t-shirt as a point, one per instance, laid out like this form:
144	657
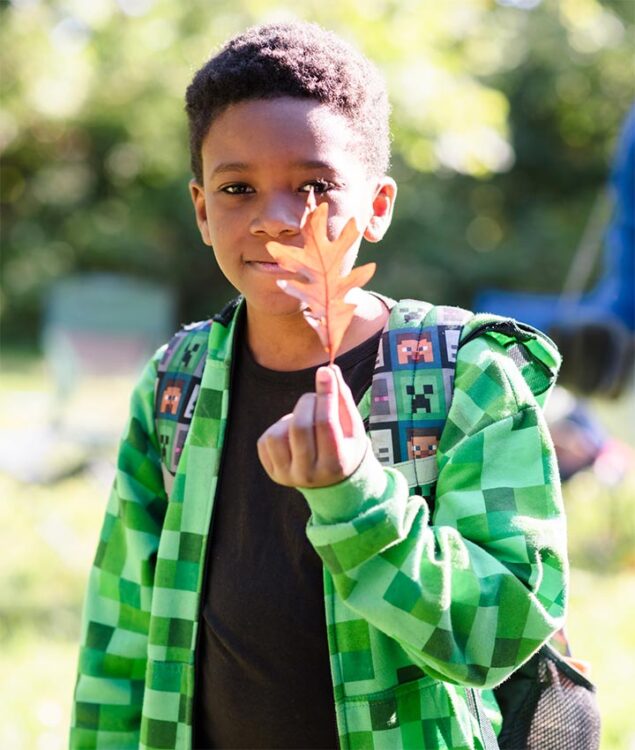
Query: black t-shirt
263	673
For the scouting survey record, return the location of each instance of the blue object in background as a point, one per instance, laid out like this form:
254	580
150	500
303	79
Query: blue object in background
612	300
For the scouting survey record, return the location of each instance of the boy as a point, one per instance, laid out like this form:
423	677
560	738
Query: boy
212	632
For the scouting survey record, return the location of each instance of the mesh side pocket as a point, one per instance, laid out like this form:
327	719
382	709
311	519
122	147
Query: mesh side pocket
548	705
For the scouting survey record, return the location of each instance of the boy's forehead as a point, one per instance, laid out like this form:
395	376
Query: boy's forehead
284	129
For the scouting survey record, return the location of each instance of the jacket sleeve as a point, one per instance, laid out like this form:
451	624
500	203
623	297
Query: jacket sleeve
473	592
112	661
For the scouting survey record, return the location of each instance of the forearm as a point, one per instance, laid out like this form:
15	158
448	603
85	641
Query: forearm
469	596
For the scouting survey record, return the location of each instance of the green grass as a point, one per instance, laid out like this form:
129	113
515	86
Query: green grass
48	535
600	628
47	539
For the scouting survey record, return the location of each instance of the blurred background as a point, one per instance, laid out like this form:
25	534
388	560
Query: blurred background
506	119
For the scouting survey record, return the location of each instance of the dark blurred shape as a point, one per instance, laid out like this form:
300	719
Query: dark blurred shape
577	435
595	331
597	357
582	442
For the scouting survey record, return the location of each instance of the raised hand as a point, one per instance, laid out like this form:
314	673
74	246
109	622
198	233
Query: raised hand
322	442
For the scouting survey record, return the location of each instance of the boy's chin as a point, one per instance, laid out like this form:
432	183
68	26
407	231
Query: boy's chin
275	304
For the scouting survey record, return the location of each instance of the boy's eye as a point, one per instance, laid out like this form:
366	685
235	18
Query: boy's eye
319	186
237	188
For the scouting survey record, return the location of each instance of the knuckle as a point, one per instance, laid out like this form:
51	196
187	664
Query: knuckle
268	440
278	431
333	466
302	452
323	422
307	479
326	428
301	431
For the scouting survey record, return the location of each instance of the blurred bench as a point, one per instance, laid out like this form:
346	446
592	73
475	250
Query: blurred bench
99	329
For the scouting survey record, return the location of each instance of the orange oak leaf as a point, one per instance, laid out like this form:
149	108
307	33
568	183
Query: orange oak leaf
327	295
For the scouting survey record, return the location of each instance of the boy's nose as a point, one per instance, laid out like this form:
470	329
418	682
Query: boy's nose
278	217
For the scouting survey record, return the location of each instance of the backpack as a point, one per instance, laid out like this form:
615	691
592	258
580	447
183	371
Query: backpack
547	703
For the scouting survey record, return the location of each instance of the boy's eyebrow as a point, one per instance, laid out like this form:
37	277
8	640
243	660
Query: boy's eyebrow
316	164
241	166
231	166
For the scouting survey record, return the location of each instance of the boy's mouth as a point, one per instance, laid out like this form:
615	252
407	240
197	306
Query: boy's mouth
266	266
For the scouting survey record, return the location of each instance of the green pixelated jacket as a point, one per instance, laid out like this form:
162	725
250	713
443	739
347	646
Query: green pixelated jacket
418	609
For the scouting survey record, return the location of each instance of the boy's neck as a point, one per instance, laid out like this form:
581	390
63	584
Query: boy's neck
286	342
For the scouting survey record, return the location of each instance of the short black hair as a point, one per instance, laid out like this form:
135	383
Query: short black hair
296	59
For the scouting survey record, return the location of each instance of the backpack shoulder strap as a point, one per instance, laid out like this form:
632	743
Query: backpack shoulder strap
176	390
178	384
412	388
411	393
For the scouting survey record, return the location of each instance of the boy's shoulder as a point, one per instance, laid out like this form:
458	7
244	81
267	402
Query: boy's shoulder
496	347
465	337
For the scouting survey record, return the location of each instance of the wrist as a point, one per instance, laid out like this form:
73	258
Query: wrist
341	502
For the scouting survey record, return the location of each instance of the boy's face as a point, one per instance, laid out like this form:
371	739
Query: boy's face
260	159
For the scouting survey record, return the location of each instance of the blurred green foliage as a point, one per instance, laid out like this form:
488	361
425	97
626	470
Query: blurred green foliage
505	116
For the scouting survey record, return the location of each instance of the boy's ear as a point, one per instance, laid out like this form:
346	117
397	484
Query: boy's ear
200	209
383	205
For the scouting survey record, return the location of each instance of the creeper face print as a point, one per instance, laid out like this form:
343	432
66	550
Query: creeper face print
411	313
189	353
421	443
420	400
164	441
414	349
170	399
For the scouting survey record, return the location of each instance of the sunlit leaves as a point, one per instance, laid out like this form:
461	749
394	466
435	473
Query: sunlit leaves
525	96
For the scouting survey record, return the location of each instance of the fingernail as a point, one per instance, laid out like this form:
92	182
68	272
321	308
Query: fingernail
323	375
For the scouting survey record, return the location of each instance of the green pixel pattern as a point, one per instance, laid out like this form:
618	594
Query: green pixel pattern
420	606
